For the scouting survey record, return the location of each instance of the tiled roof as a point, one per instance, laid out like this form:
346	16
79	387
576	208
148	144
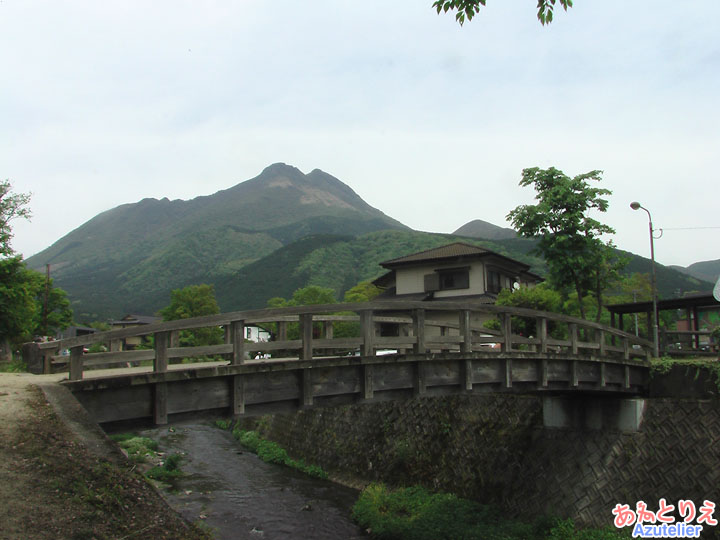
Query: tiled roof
458	249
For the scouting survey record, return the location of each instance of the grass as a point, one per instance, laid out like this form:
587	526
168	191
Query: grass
139	449
144	449
168	471
16	365
271	452
413	513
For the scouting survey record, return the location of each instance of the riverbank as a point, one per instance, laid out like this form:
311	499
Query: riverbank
61	479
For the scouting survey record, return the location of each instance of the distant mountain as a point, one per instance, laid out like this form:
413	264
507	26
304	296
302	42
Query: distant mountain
705	270
129	258
478	228
262	238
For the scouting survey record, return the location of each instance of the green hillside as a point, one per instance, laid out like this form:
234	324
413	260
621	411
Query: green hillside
340	263
128	259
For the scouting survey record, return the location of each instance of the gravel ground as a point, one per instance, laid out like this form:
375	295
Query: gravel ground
58	480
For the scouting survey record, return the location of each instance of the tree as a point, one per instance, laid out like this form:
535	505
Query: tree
24	297
12	206
569	239
28	305
362	292
541	297
194	301
467	9
305	296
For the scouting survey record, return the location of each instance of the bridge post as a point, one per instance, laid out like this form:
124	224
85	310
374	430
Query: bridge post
76	363
507	332
367	327
465	331
237	389
160	365
542	325
419	387
328	329
542	367
306	333
47	355
419	331
573	338
282	331
237	336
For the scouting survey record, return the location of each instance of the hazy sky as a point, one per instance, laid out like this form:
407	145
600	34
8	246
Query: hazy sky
105	103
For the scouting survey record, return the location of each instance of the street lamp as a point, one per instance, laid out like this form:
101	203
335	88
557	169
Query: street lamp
656	345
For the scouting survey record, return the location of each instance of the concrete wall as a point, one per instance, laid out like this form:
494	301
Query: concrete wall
411	280
494	449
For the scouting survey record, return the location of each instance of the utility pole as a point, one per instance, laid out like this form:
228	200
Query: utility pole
47	297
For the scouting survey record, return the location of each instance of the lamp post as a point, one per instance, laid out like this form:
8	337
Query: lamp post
656	344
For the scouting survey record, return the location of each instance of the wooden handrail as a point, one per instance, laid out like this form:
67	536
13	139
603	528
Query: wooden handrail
457	333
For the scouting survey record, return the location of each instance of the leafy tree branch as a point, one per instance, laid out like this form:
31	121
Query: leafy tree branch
467	9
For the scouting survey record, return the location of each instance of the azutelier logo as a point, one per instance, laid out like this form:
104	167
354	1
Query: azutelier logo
663	523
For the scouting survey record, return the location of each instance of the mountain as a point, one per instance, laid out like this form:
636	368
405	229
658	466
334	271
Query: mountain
478	228
705	270
264	237
129	258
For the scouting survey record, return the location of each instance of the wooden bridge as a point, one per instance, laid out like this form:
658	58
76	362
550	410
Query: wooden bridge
317	357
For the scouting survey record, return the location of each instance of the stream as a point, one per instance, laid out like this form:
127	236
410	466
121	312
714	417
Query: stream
239	496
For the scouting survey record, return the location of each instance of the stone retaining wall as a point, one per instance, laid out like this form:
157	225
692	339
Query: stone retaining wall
494	449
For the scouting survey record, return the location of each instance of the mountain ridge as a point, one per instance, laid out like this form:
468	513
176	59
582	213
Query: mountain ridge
264	237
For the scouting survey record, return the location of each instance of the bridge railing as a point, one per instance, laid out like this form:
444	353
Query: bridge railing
307	332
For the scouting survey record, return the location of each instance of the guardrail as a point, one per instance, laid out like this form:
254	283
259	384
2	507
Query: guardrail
421	327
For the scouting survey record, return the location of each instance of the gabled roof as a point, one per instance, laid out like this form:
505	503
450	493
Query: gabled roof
458	249
450	253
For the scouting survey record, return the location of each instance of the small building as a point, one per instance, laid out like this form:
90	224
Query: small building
454	272
129	321
696	315
75	331
257	334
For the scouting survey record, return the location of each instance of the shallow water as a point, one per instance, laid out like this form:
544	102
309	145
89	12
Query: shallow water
241	497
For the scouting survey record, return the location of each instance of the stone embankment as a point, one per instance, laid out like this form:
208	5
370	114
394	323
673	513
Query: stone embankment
494	449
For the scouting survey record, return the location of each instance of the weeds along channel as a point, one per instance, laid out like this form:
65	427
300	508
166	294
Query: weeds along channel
414	513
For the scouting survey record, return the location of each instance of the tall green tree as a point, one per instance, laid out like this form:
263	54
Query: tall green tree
570	240
12	206
467	9
194	301
28	305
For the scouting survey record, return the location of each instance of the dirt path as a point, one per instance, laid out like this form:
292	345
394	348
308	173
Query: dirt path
59	480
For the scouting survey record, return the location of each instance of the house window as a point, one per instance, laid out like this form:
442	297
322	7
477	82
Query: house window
454	278
494	281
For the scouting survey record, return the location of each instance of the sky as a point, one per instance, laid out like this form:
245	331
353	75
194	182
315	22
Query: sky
107	103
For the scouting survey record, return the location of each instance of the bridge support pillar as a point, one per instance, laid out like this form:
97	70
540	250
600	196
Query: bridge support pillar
596	413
